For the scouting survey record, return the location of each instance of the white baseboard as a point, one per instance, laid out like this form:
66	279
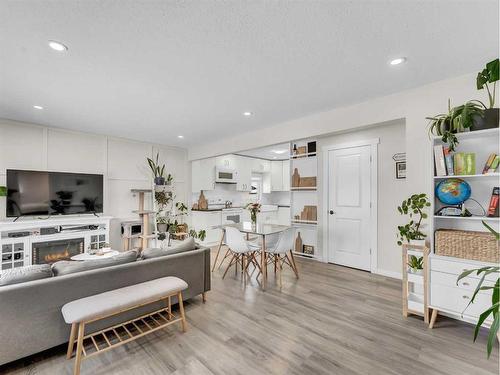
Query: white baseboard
394	275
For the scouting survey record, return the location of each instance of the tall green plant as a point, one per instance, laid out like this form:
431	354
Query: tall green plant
490	75
494	309
413	206
158	171
3	191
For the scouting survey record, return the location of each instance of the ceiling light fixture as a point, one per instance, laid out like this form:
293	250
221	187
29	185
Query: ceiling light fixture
398	61
247	114
180	136
57	46
37	107
279	152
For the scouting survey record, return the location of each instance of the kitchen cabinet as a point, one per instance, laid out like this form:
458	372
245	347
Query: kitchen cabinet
286	175
243	167
276	175
207	220
283	216
203	175
226	162
260	165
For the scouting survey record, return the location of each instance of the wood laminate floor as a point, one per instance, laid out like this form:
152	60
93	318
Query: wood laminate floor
333	320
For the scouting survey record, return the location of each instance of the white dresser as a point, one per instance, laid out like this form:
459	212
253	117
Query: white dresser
451	298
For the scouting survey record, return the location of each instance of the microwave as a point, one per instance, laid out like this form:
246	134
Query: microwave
225	176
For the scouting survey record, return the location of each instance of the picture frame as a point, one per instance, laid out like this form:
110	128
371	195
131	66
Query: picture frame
400	170
308	249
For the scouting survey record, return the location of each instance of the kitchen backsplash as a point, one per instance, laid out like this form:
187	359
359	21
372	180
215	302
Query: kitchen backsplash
228	193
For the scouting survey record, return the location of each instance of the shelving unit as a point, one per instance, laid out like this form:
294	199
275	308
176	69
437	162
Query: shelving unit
415	286
146	235
300	196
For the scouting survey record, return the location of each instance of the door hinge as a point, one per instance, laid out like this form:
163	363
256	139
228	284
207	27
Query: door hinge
370	251
370	204
370	158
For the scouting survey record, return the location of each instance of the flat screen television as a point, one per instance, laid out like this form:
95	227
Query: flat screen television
31	193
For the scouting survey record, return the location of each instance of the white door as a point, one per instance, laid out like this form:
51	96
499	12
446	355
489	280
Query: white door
349	190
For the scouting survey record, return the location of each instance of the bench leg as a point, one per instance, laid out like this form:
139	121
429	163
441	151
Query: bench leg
204	297
183	315
79	348
71	343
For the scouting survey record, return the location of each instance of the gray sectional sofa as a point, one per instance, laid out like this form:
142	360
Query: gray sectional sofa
30	312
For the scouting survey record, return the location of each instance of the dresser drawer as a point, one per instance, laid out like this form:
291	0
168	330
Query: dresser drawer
456	267
455	299
467	283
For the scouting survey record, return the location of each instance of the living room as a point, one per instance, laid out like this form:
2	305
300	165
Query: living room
259	188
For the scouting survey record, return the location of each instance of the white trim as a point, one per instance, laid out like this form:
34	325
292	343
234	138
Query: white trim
373	196
386	273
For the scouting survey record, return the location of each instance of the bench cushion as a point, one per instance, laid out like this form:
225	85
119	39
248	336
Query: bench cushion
114	301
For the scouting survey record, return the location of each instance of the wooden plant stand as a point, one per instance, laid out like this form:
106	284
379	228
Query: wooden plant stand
414	303
144	214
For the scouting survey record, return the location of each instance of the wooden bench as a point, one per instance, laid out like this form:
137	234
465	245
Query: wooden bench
80	312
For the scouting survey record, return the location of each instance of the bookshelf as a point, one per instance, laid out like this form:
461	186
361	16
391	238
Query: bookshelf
303	196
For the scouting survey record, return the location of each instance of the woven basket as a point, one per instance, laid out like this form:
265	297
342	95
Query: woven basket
481	246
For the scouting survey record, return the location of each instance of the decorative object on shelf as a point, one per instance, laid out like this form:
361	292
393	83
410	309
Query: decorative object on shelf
494	309
493	206
400	170
161	224
309	213
294	150
415	284
464	163
414	205
311	148
301	151
295	178
457	120
308	249
453	191
491	115
159	171
254	209
298	243
202	202
466	244
307	182
491	164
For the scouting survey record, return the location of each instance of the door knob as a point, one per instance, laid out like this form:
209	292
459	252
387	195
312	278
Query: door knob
332	212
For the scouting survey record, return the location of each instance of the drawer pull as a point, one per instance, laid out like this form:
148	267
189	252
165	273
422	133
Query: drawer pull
465	297
465	284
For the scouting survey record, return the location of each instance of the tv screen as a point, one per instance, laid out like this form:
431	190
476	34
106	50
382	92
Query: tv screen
32	193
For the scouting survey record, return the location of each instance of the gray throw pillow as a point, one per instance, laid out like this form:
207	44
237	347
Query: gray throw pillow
23	274
186	245
65	267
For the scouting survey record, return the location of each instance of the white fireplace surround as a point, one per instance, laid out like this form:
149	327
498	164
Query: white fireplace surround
17	251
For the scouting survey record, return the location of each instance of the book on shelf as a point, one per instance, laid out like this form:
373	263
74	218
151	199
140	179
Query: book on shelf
494	165
489	163
493	206
464	163
439	161
448	158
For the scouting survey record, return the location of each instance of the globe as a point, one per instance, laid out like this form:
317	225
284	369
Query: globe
453	191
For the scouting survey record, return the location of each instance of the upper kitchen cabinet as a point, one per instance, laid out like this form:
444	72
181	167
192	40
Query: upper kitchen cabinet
286	175
260	165
226	162
203	175
243	167
277	175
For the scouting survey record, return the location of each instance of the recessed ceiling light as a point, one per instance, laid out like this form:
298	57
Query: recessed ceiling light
275	157
57	46
37	107
398	61
279	152
247	114
180	136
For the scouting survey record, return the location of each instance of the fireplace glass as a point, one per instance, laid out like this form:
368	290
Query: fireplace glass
53	251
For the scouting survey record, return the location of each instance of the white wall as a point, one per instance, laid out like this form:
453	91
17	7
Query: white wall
121	161
390	190
412	106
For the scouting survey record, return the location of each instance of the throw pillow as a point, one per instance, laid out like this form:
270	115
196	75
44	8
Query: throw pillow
187	245
23	274
65	267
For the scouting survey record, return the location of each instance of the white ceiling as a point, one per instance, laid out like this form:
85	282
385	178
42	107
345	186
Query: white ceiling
152	70
269	152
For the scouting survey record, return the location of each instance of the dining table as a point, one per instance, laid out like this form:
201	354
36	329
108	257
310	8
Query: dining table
263	230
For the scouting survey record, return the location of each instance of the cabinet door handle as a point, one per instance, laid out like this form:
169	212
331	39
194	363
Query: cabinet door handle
465	284
465	297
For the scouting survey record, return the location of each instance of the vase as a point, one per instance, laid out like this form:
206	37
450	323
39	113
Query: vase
417	242
253	217
162	227
489	121
159	180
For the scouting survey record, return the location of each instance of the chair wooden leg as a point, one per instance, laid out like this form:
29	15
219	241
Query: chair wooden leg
218	251
204	297
294	265
71	343
280	267
275	264
228	253
183	315
229	265
433	318
244	269
79	348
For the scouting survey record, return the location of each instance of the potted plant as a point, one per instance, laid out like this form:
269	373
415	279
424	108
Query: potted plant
254	209
3	191
201	235
494	309
416	264
410	232
158	171
181	212
489	75
457	120
163	198
161	223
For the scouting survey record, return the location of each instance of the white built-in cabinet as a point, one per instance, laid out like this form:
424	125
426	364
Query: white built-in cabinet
260	165
226	161
276	175
243	168
203	175
286	175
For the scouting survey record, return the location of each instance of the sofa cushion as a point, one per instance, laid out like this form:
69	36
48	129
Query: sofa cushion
23	274
65	267
186	245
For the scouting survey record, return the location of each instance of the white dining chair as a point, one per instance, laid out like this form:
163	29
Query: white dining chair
282	253
242	253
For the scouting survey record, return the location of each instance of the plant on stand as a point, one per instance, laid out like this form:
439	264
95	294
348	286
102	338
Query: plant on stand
254	209
158	171
201	235
416	264
494	309
489	75
414	207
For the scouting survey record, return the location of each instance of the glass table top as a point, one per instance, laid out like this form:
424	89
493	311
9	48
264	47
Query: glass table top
260	228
